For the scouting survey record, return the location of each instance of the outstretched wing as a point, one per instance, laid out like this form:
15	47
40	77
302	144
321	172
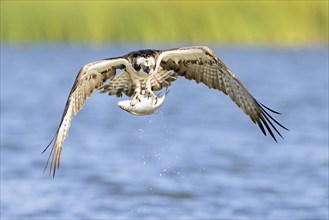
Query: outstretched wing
120	84
91	77
202	65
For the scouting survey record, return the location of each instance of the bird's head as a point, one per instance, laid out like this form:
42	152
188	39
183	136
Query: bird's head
144	64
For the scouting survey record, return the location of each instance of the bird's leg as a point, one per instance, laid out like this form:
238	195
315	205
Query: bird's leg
150	92
137	96
152	96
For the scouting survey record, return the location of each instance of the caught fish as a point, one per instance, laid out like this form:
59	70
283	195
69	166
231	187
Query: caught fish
146	106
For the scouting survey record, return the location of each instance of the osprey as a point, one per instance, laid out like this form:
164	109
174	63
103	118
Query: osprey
146	71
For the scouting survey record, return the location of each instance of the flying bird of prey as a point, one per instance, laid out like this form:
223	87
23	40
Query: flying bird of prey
146	71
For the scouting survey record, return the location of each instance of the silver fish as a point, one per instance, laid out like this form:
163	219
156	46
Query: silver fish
146	106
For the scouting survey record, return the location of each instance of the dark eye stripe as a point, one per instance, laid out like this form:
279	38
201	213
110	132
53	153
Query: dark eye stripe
137	67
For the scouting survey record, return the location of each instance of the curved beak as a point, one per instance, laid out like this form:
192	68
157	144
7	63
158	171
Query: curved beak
147	69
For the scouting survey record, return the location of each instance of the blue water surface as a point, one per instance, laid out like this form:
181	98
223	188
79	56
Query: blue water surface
200	157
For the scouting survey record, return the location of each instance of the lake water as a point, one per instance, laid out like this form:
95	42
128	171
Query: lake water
199	158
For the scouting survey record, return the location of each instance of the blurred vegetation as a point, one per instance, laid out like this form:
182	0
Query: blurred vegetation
243	22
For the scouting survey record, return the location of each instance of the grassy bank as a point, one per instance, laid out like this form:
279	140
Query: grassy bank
264	22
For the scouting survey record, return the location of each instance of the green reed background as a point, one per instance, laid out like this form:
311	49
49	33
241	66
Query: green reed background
230	22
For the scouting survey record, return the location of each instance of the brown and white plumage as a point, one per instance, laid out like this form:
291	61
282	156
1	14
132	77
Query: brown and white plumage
90	77
205	67
146	71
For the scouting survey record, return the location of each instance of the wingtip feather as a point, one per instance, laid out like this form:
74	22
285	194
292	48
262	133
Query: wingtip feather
267	120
